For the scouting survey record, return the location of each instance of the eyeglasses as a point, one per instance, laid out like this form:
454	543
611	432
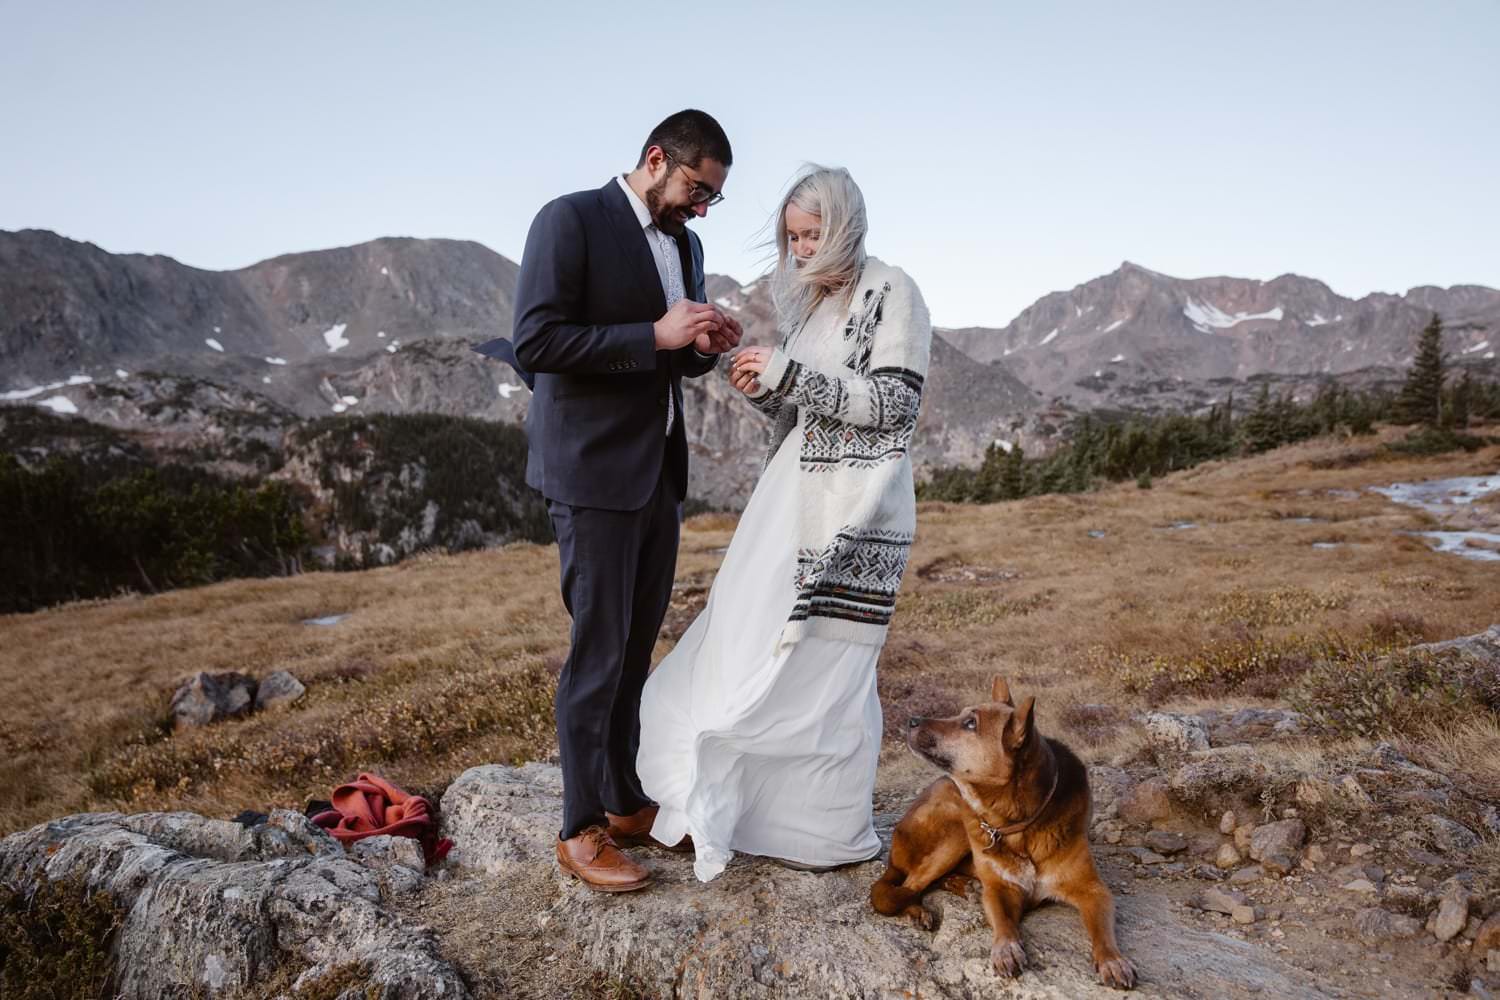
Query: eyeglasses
701	194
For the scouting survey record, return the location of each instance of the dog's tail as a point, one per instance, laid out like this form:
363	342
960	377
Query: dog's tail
888	896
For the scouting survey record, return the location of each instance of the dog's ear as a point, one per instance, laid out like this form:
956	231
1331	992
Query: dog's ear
1000	691
1019	726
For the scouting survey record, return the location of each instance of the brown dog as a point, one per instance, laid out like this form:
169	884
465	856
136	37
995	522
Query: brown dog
1013	812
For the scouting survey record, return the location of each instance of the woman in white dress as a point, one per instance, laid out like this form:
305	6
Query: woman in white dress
760	730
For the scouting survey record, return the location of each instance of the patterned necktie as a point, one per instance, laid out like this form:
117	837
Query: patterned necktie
674	292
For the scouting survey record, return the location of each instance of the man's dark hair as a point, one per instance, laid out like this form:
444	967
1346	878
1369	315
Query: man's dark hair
689	136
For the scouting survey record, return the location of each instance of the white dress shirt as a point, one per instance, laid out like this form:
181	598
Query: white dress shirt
668	266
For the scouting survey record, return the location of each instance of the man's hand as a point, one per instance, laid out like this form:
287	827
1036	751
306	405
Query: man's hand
748	365
685	323
725	338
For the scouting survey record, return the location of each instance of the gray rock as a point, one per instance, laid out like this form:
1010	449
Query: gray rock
1227	857
1217	900
1227	822
1375	924
1452	913
1278	844
211	905
277	690
1145	855
1243	915
761	930
1454	838
382	852
205	698
1172	731
1248	875
1166	842
1145	803
1206	773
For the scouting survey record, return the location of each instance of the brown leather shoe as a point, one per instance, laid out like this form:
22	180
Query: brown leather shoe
635	829
593	859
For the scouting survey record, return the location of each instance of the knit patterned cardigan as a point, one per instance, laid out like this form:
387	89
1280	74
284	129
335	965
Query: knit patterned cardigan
857	508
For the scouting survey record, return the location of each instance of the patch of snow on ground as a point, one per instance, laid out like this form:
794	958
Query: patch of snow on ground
1489	356
217	330
340	407
334	337
507	389
61	404
380	334
121	373
1210	315
392	347
1115	325
1457	542
1004	446
384	271
1438	496
1099	373
1117	359
266	379
80	379
275	361
1476	347
349	400
211	342
1048	339
1317	320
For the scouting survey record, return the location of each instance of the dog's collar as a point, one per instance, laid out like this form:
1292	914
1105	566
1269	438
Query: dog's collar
996	833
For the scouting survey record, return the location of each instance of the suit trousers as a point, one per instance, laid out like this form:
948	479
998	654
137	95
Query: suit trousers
617	571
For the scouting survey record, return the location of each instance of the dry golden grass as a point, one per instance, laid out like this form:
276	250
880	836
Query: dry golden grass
449	661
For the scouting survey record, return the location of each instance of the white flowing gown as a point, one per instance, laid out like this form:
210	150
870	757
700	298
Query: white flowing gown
753	749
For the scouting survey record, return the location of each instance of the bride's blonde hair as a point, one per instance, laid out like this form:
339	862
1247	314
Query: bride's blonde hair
797	289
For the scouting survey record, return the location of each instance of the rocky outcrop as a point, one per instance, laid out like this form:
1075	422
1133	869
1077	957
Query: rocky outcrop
213	907
762	930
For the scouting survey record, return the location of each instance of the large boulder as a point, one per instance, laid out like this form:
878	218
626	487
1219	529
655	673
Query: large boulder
762	930
213	906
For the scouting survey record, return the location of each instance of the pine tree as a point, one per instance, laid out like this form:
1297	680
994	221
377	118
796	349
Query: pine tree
1013	474
1421	398
1461	402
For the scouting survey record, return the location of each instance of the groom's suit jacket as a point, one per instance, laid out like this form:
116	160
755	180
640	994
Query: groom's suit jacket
586	300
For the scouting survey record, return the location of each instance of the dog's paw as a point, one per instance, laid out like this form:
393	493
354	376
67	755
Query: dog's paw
923	917
1116	972
1008	958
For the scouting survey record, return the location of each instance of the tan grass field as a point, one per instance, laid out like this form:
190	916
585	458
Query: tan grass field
449	661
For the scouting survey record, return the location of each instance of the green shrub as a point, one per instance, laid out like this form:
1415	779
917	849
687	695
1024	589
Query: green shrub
1385	695
56	941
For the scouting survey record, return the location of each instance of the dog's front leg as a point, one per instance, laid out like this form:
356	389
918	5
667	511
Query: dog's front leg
1003	906
1097	907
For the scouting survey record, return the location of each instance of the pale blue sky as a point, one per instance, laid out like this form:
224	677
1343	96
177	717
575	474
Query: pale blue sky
1006	149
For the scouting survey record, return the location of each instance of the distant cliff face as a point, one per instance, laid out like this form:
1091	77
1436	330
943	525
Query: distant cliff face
1110	338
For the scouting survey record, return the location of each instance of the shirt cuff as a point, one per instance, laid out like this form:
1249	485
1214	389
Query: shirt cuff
704	357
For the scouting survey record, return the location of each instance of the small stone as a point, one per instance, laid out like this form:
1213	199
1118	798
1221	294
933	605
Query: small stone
1487	938
382	851
1145	856
1360	885
1352	790
278	690
1172	731
1278	863
1274	914
1227	857
1216	900
1144	803
1242	838
1166	842
1283	838
1316	855
1226	822
205	698
1452	912
1361	850
1243	914
1375	924
1492	960
1448	836
1245	876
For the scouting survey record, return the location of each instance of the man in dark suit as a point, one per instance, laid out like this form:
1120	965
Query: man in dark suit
611	314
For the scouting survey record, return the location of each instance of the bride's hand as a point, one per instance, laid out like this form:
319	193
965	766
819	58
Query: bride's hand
748	364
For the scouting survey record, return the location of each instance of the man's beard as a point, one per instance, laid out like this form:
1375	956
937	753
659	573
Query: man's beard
668	220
